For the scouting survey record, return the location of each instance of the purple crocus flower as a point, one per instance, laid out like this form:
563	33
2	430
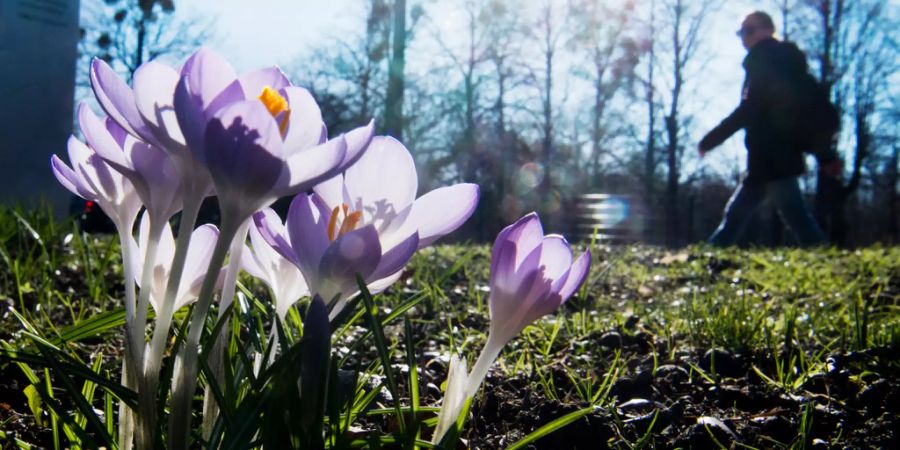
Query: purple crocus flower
265	263
362	194
91	178
357	216
148	113
259	137
330	256
531	276
149	168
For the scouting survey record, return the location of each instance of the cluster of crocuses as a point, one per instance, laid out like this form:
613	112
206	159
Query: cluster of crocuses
177	136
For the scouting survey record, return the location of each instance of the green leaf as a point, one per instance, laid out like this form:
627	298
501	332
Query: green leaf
75	394
413	376
34	403
93	326
65	365
381	345
552	426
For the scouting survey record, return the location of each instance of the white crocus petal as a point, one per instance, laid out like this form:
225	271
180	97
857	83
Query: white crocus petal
199	252
454	398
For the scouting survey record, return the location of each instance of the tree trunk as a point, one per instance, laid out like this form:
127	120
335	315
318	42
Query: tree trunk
393	108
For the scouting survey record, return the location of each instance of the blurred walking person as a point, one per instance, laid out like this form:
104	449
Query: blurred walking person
784	114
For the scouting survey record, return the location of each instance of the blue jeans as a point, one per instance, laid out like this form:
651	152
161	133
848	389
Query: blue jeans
785	195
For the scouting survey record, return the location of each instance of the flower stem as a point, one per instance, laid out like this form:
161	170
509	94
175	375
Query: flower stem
144	436
129	380
480	370
185	380
210	409
164	317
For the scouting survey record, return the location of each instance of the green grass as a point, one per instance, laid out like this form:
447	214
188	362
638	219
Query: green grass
791	308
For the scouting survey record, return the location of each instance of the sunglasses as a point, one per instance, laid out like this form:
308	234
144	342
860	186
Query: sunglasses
746	31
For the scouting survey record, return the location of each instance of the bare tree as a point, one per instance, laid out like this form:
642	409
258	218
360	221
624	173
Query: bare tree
602	30
348	75
682	27
127	33
547	32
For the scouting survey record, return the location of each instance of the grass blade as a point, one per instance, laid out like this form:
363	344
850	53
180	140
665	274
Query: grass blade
550	427
381	345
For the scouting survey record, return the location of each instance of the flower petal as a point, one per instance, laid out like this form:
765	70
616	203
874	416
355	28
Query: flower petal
305	124
380	285
68	178
242	149
385	159
252	83
257	259
393	260
357	252
154	92
272	232
309	167
101	141
443	210
191	118
358	140
576	276
200	250
207	74
332	191
307	227
116	98
525	234
556	256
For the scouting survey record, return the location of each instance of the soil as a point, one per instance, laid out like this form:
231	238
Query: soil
663	402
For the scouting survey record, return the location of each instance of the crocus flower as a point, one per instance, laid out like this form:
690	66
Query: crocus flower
265	263
371	209
149	168
259	137
531	276
91	178
177	109
329	256
199	253
147	112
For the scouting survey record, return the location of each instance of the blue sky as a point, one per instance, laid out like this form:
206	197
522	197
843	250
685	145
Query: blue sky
259	33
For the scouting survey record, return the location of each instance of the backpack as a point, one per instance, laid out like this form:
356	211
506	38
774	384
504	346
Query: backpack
817	119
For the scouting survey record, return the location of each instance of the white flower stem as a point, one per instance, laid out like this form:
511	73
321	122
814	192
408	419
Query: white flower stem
126	418
210	408
185	380
136	330
126	415
480	370
153	359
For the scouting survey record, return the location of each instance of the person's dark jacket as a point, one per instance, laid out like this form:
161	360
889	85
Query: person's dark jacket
767	113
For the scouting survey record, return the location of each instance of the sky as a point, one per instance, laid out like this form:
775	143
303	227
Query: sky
259	33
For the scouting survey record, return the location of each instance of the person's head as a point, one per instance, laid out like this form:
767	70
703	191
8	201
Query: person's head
756	27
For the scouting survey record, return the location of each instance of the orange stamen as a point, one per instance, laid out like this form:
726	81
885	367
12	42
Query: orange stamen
350	222
276	104
332	222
